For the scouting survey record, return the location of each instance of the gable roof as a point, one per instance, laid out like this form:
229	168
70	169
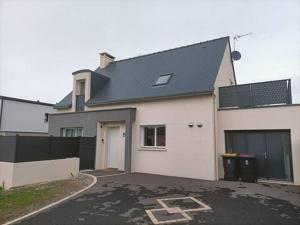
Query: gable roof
194	69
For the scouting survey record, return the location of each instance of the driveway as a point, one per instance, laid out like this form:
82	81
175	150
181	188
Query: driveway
123	199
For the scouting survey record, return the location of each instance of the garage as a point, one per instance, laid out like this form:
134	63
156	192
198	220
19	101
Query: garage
271	147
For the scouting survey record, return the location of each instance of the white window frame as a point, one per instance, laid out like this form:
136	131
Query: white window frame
64	130
143	146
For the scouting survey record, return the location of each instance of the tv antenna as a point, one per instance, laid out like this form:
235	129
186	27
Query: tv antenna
237	37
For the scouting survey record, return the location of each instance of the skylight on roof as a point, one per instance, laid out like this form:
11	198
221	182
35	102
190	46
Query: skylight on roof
163	79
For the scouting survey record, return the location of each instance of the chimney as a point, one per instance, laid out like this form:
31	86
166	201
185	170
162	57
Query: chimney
105	59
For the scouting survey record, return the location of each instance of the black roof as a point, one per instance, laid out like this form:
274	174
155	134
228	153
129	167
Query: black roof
194	69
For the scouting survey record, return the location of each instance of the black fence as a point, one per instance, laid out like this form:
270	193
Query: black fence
31	148
256	94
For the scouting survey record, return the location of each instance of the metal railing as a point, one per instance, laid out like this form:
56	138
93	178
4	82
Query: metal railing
276	92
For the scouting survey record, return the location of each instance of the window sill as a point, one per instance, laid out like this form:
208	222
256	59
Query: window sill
152	148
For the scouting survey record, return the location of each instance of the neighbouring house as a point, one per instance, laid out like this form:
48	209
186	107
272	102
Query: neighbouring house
24	117
175	112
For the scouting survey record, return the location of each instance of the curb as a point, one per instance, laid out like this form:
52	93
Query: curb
55	203
112	175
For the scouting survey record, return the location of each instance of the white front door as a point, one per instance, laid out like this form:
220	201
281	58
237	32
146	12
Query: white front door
114	150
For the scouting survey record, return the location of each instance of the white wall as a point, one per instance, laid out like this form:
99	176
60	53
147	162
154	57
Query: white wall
24	117
18	174
287	117
189	152
6	174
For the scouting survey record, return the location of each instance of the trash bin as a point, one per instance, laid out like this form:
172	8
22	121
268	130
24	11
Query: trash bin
247	168
230	164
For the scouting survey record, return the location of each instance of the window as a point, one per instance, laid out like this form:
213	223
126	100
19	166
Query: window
154	136
81	88
163	79
46	117
72	132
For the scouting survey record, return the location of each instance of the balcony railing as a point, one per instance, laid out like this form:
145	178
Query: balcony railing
256	94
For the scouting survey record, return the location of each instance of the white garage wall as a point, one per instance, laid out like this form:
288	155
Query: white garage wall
286	117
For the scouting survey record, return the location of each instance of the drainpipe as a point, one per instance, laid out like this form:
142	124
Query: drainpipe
1	111
215	138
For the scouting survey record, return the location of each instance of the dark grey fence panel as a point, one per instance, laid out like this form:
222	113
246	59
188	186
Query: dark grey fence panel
270	93
7	148
62	147
32	149
87	148
256	94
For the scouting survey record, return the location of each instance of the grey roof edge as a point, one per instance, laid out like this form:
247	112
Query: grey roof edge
189	94
158	52
81	71
62	106
88	70
65	103
93	111
25	100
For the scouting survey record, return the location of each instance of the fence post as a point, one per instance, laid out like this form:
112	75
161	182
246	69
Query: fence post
50	147
251	95
289	91
16	148
78	146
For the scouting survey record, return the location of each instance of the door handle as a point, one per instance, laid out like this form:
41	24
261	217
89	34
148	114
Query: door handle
265	154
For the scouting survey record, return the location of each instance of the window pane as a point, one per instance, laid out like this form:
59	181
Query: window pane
161	136
163	79
82	88
149	136
79	132
68	133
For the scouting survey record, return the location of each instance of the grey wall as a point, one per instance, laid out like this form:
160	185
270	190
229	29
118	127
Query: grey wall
88	121
24	117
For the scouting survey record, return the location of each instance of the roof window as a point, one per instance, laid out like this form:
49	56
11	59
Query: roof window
163	79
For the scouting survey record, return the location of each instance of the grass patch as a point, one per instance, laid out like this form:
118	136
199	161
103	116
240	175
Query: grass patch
22	200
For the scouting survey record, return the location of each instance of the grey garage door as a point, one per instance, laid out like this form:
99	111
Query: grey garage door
271	147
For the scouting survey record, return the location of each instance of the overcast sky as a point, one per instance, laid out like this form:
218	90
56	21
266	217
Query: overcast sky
43	42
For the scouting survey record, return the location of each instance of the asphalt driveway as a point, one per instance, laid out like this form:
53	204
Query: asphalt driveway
123	199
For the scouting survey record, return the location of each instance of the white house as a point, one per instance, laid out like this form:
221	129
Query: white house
175	112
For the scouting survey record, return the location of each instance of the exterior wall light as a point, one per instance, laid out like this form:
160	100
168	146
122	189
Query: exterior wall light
191	125
199	124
